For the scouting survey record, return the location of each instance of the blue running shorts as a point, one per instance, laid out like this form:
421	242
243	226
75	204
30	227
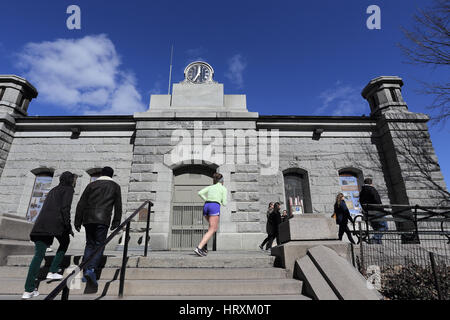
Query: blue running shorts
211	209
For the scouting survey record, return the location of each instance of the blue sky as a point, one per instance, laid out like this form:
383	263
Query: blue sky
288	57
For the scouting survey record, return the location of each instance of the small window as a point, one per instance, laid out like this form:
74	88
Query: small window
20	100
373	102
350	188
42	186
393	94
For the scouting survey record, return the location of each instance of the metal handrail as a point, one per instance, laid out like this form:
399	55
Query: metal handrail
413	216
63	285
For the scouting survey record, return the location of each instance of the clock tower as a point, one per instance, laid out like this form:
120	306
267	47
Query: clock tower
198	95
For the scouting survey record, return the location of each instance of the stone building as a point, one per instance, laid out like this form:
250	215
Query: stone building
162	155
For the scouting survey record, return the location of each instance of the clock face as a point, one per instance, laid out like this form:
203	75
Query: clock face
198	73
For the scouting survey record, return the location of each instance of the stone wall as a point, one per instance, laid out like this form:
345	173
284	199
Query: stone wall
6	139
152	178
58	154
323	159
411	163
243	221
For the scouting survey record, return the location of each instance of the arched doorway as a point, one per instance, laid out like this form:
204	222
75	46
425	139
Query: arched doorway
296	187
187	223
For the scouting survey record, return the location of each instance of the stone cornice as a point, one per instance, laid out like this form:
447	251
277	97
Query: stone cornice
84	123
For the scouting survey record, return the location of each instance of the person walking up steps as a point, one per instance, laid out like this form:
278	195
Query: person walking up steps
274	221
342	216
269	211
94	211
53	222
214	197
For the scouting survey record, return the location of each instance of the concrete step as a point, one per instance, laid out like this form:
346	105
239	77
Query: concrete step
166	273
169	260
213	260
314	284
10	247
345	281
107	261
240	287
14	228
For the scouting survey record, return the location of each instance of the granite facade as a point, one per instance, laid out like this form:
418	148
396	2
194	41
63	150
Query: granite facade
383	146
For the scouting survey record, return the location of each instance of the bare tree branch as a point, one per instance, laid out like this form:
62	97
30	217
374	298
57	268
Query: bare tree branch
429	45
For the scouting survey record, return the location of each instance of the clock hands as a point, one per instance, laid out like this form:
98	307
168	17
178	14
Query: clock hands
198	74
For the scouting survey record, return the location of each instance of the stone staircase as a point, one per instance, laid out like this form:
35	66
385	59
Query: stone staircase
167	276
14	236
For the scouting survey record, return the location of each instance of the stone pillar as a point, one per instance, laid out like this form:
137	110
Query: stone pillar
15	96
410	165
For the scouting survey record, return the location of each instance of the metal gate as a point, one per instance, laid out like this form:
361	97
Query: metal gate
188	224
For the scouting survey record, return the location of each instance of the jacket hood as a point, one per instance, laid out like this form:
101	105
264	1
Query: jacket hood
66	179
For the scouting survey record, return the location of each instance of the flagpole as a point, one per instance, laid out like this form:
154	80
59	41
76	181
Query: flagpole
170	73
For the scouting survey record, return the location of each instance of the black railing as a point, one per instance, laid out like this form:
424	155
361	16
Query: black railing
64	285
411	259
406	220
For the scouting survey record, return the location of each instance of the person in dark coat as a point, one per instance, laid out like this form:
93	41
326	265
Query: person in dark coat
369	195
285	216
342	216
94	212
273	222
53	222
269	211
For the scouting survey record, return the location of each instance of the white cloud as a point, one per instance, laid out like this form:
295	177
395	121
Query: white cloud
81	74
235	73
341	100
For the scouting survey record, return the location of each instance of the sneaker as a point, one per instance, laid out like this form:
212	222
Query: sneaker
54	276
91	277
200	252
29	295
49	250
261	247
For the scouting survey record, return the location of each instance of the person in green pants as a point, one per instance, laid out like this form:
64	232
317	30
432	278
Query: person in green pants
53	222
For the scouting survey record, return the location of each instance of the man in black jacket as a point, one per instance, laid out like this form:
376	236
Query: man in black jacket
94	211
369	195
